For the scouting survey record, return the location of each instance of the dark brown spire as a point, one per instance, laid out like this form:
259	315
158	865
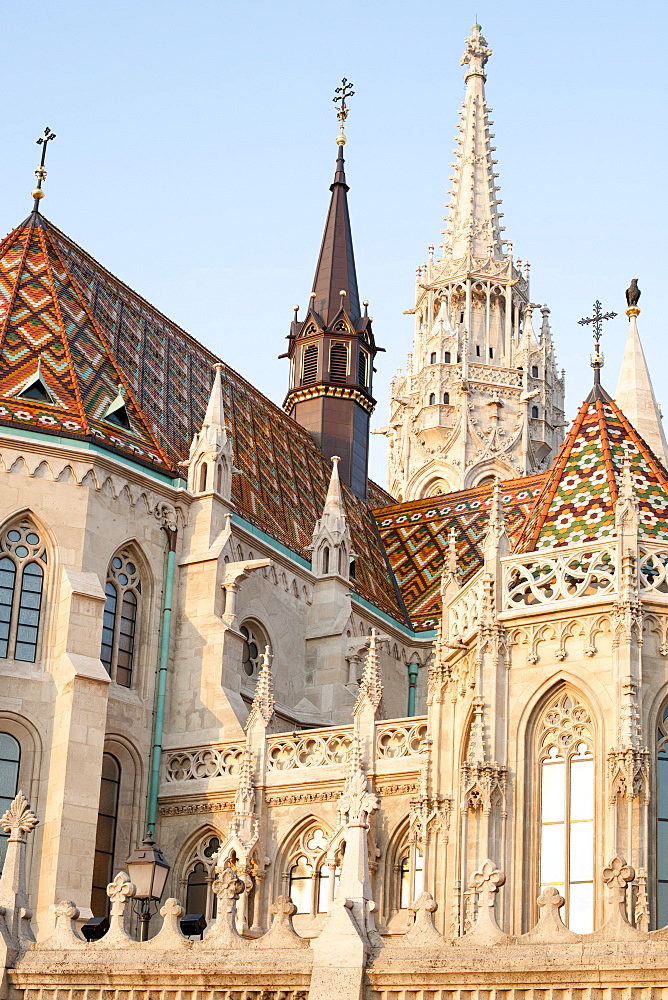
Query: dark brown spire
336	265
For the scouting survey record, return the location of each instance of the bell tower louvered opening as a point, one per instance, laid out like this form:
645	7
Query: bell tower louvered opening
338	362
362	368
309	365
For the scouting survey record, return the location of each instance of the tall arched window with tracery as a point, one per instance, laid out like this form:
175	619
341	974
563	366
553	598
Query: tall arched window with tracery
22	565
312	878
566	766
662	820
10	758
123	592
200	877
105	835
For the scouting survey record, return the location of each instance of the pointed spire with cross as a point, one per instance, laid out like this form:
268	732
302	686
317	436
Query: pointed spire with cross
597	358
40	173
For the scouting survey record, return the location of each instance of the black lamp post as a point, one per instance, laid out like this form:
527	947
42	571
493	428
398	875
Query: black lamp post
148	870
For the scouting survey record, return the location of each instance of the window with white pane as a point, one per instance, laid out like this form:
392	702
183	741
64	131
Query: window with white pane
411	876
22	566
566	766
312	878
662	820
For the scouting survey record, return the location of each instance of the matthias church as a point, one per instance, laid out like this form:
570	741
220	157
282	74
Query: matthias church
400	742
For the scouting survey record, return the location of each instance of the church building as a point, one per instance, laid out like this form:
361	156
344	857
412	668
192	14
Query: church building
355	734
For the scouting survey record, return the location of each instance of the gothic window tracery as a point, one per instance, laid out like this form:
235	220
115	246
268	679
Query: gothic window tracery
255	641
566	765
312	880
22	563
122	591
200	876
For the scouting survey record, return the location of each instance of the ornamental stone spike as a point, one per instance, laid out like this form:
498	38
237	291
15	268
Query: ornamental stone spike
262	709
371	687
17	821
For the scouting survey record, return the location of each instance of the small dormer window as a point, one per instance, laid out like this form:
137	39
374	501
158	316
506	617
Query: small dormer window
534	411
432	360
117	413
446	398
534	371
36	388
447	357
432	398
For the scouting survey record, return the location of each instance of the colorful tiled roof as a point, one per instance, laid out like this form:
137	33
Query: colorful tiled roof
57	372
283	477
578	502
415	535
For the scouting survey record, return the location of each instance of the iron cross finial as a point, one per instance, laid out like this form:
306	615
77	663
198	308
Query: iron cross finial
597	320
342	93
40	173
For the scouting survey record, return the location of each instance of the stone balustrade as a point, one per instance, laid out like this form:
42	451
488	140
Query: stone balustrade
578	573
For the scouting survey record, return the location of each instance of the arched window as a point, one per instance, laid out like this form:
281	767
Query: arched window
22	563
411	876
123	590
338	362
202	477
312	882
309	364
534	411
200	897
566	765
105	835
432	398
447	357
446	398
255	641
325	560
10	758
662	821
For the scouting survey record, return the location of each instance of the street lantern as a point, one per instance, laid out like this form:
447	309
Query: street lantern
148	870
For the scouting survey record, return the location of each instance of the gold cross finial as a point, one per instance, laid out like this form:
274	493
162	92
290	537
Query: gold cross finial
342	94
40	173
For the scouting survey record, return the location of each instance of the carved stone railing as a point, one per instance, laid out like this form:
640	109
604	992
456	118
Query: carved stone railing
194	763
311	748
402	738
495	375
570	574
653	571
464	612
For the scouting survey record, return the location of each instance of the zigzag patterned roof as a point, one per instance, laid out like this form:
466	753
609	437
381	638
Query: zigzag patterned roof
415	535
47	331
578	502
49	285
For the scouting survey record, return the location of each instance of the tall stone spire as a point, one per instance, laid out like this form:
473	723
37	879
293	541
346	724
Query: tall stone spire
635	395
473	219
332	350
481	397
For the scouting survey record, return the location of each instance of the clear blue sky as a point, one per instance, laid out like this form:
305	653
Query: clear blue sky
196	146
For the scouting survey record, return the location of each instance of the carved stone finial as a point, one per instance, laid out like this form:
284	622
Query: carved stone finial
550	926
423	933
19	818
222	933
119	890
486	882
356	802
263	699
282	934
371	687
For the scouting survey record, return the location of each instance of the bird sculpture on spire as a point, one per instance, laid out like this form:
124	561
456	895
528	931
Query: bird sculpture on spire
633	294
